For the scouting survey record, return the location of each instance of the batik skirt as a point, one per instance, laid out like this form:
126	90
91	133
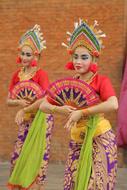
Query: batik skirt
22	134
104	163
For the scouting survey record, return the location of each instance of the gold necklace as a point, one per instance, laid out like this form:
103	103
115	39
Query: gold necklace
89	79
26	76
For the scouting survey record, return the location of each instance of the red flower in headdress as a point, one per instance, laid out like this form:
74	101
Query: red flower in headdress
95	53
70	51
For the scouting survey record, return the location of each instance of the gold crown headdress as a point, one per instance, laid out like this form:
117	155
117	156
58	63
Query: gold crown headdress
87	36
34	39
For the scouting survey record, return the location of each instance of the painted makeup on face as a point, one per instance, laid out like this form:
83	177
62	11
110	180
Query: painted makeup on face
81	59
26	55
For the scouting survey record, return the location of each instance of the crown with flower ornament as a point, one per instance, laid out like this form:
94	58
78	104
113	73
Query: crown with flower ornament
34	39
87	36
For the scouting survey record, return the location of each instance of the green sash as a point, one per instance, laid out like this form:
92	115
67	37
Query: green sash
85	160
30	159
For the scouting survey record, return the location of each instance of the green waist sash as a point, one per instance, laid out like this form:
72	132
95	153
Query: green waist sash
30	159
85	160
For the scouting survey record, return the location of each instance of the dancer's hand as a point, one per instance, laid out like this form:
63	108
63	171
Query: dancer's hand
23	102
19	117
74	117
65	109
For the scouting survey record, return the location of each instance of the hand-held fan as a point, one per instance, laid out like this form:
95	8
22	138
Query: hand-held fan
27	90
73	92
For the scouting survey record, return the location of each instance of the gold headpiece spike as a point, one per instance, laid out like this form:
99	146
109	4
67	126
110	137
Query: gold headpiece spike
85	20
41	38
40	33
95	23
68	33
44	42
99	32
37	27
92	27
76	25
44	47
63	44
102	35
80	21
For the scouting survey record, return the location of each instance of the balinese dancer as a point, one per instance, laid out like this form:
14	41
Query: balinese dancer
92	158
27	87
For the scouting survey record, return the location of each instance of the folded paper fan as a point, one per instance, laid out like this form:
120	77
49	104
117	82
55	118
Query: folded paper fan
27	90
73	92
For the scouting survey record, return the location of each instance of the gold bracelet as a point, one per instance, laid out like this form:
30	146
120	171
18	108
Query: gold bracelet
54	109
15	102
25	109
86	112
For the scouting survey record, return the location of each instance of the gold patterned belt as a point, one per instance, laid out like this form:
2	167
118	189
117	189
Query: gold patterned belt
78	131
29	115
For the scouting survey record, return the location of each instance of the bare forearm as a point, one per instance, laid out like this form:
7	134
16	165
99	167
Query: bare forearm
11	102
33	106
47	107
104	107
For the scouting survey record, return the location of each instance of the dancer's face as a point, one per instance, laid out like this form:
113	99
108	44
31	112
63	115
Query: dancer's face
82	60
26	55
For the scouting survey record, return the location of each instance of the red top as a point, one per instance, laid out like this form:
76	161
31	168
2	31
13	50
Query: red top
103	87
40	77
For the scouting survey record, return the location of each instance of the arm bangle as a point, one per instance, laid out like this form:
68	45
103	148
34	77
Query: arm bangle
25	109
86	112
53	110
